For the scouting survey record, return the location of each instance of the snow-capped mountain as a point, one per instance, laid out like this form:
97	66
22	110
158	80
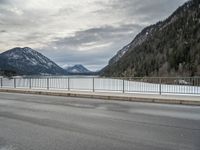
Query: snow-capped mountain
27	61
77	69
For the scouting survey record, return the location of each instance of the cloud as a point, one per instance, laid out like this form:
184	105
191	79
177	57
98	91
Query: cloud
96	36
143	12
93	46
3	31
4	1
85	32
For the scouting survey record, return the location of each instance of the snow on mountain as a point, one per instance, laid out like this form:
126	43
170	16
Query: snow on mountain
139	39
167	48
147	33
77	69
119	54
29	62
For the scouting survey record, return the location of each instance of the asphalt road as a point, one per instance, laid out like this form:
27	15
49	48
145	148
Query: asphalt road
30	122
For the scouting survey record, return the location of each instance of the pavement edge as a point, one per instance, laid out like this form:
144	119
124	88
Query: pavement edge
105	97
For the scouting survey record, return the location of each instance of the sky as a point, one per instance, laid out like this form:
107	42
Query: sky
70	32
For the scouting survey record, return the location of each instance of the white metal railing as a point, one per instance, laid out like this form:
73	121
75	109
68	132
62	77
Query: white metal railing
159	85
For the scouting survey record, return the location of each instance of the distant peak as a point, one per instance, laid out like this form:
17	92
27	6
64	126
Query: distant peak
21	48
78	68
27	48
78	65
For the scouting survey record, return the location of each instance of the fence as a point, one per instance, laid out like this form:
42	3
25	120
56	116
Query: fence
173	85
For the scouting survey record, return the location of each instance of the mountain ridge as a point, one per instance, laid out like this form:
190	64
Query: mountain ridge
27	61
167	48
77	69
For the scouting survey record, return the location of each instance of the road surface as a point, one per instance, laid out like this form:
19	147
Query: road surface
32	122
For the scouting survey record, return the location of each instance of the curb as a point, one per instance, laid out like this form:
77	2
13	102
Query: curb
105	97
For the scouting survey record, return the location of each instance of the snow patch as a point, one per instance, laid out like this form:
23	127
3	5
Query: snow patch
74	70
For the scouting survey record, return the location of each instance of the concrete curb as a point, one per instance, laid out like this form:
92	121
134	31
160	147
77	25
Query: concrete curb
162	100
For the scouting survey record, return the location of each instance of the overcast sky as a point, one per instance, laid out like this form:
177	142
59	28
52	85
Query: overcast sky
69	32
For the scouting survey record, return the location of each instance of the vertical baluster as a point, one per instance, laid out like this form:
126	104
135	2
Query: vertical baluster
160	86
93	84
68	83
1	82
30	83
14	80
123	86
47	83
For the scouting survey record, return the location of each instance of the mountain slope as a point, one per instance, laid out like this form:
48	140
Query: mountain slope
27	61
168	48
77	69
119	54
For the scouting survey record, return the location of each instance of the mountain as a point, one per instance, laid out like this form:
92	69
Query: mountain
26	61
77	69
119	54
167	48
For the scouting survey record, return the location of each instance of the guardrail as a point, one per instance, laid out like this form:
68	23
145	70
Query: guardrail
159	85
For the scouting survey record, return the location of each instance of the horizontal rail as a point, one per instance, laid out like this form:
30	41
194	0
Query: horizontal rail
159	85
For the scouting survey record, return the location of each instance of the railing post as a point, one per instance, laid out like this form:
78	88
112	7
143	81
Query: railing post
160	86
68	79
30	83
14	79
123	86
93	85
1	82
47	83
197	85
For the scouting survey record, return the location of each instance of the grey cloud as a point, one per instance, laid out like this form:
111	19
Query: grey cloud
11	19
65	11
158	9
145	10
101	34
95	60
67	48
4	2
3	31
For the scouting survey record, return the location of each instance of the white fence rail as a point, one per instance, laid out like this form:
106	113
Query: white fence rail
97	84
